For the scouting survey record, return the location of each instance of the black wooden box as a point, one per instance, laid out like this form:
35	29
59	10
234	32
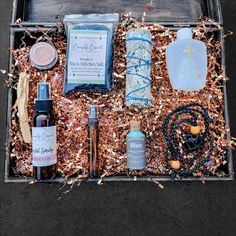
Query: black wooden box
173	14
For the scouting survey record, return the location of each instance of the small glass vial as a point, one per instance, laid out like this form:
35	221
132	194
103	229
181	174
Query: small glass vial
136	147
94	162
44	152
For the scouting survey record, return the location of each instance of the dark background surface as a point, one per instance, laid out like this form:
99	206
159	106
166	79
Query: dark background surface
118	208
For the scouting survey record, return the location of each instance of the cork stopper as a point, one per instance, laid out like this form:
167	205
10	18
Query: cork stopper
134	125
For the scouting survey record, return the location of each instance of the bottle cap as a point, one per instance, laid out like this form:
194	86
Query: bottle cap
43	55
184	33
43	91
93	111
134	125
43	101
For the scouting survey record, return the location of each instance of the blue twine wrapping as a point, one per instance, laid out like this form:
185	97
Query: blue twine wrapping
143	62
139	39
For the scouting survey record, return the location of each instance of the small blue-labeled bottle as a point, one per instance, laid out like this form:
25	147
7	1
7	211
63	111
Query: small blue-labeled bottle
136	147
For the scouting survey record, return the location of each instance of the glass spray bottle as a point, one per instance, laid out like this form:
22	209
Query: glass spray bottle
44	153
94	169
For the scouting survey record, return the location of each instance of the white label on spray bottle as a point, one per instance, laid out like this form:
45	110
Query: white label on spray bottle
44	146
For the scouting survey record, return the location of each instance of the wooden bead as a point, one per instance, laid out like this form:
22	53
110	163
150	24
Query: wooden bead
175	164
195	129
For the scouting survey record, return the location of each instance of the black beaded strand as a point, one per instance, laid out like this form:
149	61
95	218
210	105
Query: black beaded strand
198	144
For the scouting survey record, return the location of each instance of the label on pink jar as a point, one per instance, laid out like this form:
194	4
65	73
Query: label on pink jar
44	142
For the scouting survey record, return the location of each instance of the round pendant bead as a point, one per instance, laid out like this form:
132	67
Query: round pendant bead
175	164
195	129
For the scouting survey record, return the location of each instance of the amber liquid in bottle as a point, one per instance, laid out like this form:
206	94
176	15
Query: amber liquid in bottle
94	162
44	140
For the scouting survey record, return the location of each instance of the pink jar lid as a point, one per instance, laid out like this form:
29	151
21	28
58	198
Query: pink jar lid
43	55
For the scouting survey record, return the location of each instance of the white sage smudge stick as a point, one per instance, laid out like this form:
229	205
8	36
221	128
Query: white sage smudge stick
138	57
22	102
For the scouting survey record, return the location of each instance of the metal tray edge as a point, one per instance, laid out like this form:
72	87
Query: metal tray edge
123	179
8	118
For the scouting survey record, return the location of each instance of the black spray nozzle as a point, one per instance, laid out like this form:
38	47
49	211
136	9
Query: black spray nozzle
43	91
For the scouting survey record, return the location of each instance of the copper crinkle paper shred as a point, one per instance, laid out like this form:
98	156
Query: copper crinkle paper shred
71	111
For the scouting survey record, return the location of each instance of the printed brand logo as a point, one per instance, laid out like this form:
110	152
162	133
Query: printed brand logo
88	49
42	137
